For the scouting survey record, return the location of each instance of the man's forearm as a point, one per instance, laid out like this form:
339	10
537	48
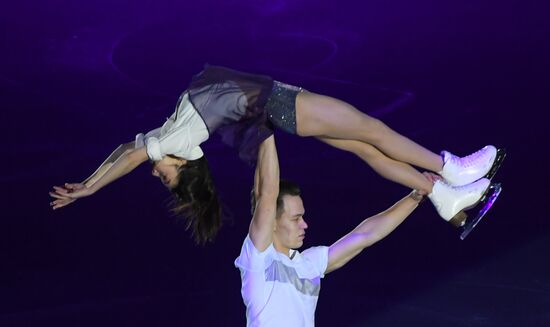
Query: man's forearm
370	231
379	226
267	170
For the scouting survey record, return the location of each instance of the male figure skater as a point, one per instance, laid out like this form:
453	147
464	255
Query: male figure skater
280	286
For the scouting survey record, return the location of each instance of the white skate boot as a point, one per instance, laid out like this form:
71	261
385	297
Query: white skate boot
462	171
450	201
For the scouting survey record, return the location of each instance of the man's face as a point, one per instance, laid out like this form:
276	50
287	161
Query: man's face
290	227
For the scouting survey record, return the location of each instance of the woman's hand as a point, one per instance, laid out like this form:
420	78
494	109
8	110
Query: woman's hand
68	193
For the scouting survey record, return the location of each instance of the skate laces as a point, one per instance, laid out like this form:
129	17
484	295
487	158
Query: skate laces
468	161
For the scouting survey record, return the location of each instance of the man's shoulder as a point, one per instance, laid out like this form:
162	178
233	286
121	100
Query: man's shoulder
314	251
251	258
315	257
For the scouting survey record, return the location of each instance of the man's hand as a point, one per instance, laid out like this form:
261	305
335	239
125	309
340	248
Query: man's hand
419	195
432	177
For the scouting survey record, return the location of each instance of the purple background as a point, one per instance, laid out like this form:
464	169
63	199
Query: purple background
77	78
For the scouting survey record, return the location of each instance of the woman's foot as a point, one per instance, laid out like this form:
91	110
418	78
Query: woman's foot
458	171
451	201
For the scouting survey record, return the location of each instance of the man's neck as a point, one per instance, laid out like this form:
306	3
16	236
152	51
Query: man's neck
284	250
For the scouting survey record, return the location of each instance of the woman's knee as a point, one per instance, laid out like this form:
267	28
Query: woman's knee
367	151
374	130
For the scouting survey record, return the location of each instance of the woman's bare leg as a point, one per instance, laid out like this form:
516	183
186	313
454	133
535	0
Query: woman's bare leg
391	169
319	115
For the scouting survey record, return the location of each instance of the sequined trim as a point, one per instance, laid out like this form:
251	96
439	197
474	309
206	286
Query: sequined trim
281	106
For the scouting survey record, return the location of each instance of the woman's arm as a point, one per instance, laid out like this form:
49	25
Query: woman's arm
127	162
108	163
122	160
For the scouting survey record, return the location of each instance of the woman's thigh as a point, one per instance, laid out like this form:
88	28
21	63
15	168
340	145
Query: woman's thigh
318	115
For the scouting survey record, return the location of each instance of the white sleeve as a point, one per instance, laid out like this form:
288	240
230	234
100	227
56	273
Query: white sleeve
196	153
251	259
176	142
139	141
140	138
153	148
180	135
318	255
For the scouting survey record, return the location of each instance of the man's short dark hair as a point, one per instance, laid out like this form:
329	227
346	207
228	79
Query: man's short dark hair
285	188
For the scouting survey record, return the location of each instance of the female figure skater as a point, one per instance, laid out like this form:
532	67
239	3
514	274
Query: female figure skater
242	107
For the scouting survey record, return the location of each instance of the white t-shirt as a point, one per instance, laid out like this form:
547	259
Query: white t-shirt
279	291
181	134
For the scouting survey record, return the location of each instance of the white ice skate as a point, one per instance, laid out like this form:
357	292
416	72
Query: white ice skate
451	201
487	201
459	171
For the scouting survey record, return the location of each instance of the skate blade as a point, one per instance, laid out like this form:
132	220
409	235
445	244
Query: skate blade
488	201
501	154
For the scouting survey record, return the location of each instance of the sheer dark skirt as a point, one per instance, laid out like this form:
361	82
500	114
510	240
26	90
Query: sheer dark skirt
232	103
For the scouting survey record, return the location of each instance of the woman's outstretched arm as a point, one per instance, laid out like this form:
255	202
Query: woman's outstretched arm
108	163
120	162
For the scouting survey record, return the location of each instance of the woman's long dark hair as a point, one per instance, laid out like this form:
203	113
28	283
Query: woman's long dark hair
196	200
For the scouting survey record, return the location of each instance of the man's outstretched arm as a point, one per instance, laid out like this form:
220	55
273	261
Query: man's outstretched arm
266	190
370	231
